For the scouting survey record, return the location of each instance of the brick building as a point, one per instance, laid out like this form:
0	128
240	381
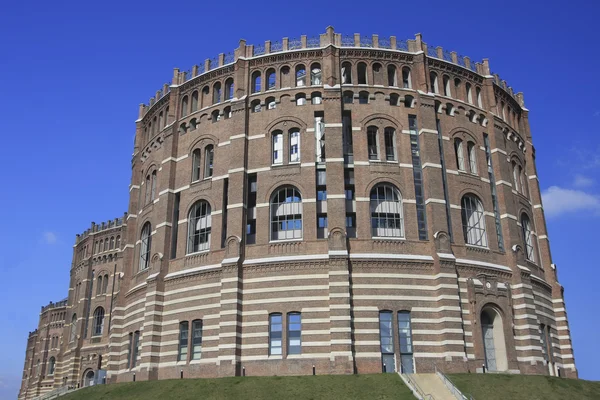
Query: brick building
352	203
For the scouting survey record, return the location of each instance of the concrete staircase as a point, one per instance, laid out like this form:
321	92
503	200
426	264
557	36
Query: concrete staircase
432	385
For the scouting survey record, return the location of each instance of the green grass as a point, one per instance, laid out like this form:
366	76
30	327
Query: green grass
329	387
525	387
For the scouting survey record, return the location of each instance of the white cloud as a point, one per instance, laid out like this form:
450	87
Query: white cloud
50	237
559	201
582	181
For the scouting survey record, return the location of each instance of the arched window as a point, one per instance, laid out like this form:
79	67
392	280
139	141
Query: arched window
294	333
469	93
166	116
275	334
300	99
217	93
227	112
118	242
183	341
184	106
459	153
153	187
457	84
256	83
315	98
199	227
96	247
99	286
51	365
215	116
348	97
294	146
527	237
394	98
255	106
515	168
160	120
522	176
271	103
363	98
433	78
209	153
195	101
105	285
386	211
315	74
196	339
98	324
390	144
229	89
271	79
112	243
473	220
277	144
145	246
101	245
392	75
205	96
503	111
106	244
372	143
196	165
346	73
472	149
284	74
362	73
406	78
300	75
286	214
478	94
409	101
447	86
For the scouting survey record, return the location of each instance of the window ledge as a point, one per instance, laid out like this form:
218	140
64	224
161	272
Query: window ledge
388	238
197	252
275	357
285	241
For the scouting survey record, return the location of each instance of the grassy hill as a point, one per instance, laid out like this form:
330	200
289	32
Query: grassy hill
330	387
340	387
525	387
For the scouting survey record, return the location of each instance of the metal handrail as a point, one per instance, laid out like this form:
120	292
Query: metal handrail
450	385
416	387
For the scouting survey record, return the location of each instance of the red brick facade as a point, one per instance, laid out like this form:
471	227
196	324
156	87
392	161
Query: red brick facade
385	120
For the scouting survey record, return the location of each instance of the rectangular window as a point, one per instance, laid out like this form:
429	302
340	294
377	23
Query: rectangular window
277	148
135	347
321	226
183	341
294	333
275	334
295	146
351	225
347	137
196	339
386	338
405	339
251	213
418	177
208	159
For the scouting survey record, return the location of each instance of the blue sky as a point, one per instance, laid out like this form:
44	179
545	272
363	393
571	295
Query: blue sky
72	74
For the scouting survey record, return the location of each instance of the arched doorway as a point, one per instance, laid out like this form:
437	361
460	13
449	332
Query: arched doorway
88	378
494	344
